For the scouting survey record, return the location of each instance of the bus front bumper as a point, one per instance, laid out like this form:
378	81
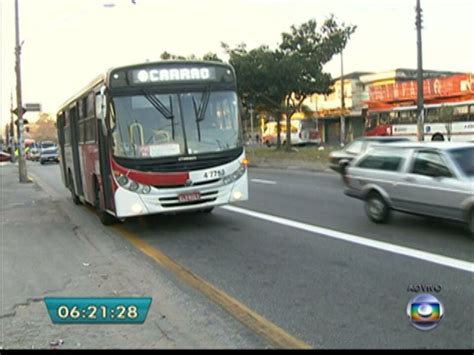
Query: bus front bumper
129	204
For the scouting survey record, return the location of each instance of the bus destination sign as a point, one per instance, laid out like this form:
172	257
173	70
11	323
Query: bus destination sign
155	75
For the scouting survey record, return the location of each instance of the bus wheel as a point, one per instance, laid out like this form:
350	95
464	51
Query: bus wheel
106	218
437	137
74	197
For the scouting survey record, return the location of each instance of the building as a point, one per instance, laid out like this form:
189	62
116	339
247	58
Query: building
328	108
368	92
400	88
389	93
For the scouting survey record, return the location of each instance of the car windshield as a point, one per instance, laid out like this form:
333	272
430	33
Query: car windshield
355	147
47	145
464	158
161	125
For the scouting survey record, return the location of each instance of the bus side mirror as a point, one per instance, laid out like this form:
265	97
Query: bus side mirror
100	108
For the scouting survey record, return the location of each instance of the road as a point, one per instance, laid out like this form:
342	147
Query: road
321	289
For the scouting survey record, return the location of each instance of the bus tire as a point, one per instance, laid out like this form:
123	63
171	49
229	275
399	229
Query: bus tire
74	197
105	218
438	137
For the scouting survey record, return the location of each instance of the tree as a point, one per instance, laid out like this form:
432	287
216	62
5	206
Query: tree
44	128
257	83
285	77
208	56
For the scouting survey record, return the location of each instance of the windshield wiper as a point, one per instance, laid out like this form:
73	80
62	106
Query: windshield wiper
158	105
200	111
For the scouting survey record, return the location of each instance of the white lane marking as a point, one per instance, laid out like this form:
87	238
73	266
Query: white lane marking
261	181
392	248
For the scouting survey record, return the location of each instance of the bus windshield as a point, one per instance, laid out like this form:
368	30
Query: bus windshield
174	124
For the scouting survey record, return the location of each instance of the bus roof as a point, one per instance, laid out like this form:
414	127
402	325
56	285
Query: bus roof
105	77
430	144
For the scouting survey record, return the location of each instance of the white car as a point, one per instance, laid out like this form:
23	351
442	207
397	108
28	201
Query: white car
433	179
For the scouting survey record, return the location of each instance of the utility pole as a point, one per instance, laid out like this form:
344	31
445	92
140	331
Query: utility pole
19	104
251	122
11	142
343	119
420	97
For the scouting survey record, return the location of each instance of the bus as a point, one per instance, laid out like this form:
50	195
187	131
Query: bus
443	122
151	138
303	131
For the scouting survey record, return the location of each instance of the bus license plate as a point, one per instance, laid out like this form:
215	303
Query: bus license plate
193	196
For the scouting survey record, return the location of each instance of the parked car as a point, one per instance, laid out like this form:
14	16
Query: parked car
4	156
49	154
46	144
34	154
339	159
433	179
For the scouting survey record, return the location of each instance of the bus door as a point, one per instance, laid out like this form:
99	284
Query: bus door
107	196
75	150
61	138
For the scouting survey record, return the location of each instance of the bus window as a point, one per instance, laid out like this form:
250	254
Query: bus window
384	118
461	114
407	117
371	122
432	115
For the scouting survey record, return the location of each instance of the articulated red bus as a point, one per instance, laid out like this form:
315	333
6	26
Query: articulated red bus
154	138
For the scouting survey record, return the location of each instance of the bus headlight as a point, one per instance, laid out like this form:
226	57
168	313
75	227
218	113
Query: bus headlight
133	186
236	174
122	180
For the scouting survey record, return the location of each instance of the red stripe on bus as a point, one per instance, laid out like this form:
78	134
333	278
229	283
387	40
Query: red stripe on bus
149	178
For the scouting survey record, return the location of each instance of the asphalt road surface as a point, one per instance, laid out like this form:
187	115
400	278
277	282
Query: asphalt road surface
305	257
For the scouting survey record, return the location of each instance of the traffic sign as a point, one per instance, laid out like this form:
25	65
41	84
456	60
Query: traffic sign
35	107
29	108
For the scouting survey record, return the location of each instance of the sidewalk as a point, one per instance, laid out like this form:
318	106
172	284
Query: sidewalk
49	247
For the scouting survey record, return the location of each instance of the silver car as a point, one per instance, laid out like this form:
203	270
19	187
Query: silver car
432	179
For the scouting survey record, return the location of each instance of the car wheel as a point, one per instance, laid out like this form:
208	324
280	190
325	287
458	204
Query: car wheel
377	208
41	162
343	168
470	222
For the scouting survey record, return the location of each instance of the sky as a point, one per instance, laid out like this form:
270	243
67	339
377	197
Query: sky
67	43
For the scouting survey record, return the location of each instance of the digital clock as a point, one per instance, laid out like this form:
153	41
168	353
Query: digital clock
67	310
